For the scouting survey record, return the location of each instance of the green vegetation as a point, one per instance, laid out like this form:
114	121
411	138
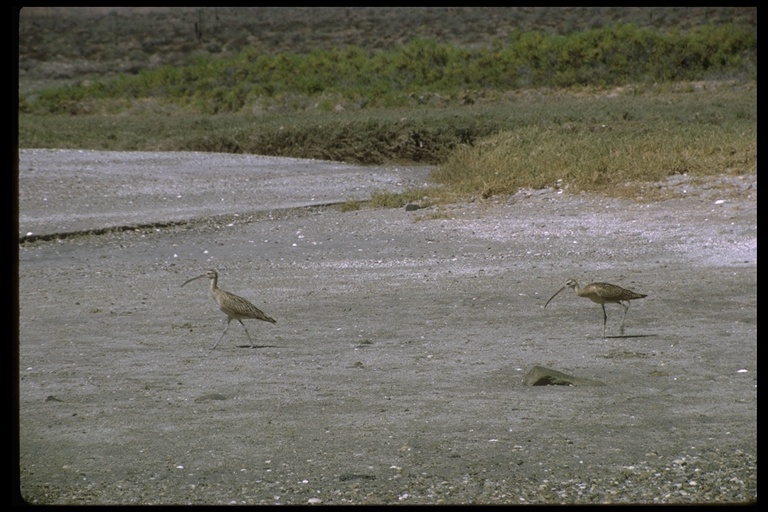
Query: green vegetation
418	72
607	109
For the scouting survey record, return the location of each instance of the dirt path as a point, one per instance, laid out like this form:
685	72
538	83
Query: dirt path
394	373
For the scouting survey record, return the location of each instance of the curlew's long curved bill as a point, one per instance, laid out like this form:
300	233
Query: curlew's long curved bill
198	277
553	296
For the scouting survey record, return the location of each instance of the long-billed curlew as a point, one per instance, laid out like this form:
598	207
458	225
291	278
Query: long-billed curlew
603	293
233	306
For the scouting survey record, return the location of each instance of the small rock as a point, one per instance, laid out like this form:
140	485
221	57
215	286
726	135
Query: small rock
210	396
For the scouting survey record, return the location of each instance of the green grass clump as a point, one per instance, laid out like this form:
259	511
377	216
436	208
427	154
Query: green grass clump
420	196
350	206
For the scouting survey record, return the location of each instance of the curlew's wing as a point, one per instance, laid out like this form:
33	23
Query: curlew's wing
607	292
239	308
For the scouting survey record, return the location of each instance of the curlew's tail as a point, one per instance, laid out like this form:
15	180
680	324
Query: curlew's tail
268	319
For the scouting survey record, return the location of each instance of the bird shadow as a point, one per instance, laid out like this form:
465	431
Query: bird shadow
621	336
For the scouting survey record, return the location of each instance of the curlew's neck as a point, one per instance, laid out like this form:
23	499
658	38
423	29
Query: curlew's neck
214	282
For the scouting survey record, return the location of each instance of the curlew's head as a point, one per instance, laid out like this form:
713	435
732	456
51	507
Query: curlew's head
571	283
211	274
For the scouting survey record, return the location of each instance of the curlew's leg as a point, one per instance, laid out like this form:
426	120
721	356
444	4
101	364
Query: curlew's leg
229	319
626	308
605	318
246	332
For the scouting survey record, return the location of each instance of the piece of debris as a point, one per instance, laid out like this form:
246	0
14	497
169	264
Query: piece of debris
541	376
355	476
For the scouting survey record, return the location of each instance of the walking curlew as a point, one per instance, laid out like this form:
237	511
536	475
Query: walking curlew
603	293
233	306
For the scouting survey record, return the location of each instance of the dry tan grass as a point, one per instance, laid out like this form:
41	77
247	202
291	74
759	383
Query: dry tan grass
618	158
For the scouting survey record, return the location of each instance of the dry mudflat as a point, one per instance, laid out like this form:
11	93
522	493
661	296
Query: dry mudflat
395	371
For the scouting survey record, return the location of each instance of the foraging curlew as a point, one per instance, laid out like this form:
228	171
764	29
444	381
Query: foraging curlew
233	306
603	293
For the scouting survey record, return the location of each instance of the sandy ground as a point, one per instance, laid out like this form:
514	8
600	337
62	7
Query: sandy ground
394	373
